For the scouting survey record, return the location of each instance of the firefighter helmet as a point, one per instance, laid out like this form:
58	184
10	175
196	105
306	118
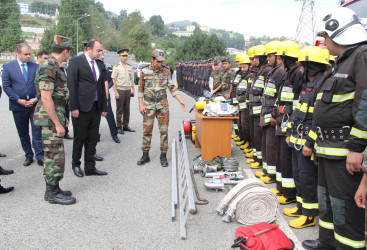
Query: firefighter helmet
239	56
288	48
259	50
313	54
271	47
244	59
250	52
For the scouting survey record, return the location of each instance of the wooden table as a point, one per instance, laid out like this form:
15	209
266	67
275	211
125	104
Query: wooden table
213	135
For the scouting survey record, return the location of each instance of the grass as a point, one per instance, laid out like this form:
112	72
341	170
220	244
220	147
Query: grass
29	21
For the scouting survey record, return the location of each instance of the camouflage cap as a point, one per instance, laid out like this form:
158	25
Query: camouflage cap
216	62
158	54
63	41
226	59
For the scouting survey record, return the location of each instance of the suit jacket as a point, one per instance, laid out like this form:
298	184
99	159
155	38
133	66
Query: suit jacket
16	87
82	86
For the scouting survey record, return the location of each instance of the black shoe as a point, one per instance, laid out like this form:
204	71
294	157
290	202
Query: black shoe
163	159
2	155
115	139
120	131
315	244
5	190
97	157
40	162
144	159
77	171
68	137
95	172
5	172
28	161
56	196
129	129
67	193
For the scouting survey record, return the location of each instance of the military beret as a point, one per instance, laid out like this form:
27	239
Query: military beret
123	52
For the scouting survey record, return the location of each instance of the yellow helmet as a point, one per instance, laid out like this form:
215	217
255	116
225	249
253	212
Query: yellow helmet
244	59
259	50
312	54
288	48
331	58
271	47
250	52
239	55
326	54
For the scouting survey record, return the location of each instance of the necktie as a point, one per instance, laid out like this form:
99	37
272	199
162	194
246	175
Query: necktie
25	73
95	79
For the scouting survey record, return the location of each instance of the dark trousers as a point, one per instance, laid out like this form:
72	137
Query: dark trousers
252	133
111	118
269	150
284	175
86	128
123	108
257	138
305	178
341	221
243	125
22	120
67	116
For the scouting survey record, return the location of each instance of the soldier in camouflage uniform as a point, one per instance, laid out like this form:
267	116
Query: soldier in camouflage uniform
152	93
50	116
217	76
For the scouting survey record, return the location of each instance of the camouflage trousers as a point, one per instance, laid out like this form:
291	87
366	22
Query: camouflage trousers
54	155
161	112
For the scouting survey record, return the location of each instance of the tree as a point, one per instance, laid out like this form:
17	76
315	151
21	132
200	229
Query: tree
132	20
47	39
158	25
117	20
10	31
139	41
70	11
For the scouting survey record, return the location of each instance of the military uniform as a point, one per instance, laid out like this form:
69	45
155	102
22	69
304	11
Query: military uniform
226	82
51	76
152	87
217	78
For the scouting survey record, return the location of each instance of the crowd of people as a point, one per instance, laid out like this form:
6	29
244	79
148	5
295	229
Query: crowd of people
302	124
302	117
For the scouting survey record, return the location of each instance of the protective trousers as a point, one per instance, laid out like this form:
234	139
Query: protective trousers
305	178
237	127
244	125
284	174
341	222
161	112
257	139
269	151
54	155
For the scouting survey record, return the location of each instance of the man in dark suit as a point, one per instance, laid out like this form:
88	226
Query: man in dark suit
87	103
18	82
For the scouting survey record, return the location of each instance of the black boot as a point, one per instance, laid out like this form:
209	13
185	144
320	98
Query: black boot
55	196
164	161
67	193
5	190
144	159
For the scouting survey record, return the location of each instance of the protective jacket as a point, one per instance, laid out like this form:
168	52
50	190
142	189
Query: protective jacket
287	98
257	89
268	99
338	124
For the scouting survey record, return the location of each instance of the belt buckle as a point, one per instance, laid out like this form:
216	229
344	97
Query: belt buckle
320	133
345	135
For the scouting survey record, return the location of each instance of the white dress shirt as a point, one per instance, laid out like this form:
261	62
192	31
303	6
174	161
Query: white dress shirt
95	65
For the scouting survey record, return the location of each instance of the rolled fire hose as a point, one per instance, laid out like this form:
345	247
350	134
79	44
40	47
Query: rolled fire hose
237	190
255	205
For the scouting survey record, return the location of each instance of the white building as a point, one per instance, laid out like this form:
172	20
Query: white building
24	8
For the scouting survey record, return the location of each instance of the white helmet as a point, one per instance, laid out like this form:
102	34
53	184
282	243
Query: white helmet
343	27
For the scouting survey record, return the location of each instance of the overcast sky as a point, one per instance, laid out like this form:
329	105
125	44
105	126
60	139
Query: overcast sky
249	17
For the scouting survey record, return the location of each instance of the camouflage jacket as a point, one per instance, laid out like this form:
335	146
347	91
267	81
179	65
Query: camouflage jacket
51	76
226	82
153	84
217	77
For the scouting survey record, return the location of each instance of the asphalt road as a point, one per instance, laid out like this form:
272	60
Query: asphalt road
130	208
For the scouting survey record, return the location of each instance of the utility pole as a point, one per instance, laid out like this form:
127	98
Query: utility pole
306	25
